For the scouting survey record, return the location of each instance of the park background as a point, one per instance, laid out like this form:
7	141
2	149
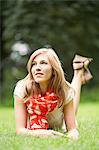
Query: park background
70	27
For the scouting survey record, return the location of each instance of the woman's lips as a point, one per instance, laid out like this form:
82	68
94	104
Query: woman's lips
39	73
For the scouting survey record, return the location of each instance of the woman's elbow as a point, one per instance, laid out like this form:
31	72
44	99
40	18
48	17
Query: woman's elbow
20	131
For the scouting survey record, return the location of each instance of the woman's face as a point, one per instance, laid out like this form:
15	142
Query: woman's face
41	69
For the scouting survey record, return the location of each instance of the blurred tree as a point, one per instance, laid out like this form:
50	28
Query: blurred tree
69	26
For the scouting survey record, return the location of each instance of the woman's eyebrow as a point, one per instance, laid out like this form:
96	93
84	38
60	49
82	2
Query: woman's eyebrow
43	60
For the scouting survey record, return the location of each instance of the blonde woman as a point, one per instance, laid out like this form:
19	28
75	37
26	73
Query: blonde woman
44	101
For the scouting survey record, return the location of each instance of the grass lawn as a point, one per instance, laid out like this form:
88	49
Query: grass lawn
88	119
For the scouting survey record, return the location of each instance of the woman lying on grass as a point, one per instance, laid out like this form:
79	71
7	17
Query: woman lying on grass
44	101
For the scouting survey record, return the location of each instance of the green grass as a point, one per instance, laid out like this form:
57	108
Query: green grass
88	120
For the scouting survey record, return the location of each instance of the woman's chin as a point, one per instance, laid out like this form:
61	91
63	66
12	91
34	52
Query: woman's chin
39	80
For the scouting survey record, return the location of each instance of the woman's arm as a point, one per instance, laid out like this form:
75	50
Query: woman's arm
69	117
20	114
21	122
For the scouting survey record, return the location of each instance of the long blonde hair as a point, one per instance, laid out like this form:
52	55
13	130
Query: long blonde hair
57	83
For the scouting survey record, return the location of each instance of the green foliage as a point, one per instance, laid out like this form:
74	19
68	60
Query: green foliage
69	26
62	23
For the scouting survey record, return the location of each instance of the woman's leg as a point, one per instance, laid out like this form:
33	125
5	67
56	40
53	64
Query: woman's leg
76	84
81	76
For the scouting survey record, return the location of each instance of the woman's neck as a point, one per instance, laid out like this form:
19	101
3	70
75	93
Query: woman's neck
43	88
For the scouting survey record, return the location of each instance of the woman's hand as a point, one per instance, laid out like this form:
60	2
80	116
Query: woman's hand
73	134
47	133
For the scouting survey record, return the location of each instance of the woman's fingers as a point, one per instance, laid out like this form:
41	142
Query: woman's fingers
57	133
48	133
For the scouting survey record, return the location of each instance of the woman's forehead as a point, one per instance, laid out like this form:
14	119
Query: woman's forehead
41	56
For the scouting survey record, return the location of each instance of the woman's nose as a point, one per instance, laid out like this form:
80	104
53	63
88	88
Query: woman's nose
38	68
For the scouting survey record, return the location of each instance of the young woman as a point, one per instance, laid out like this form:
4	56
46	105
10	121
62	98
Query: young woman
44	101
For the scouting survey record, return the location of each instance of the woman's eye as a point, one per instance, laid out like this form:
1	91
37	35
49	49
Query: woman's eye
43	62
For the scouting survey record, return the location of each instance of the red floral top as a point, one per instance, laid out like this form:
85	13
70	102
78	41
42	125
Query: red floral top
39	107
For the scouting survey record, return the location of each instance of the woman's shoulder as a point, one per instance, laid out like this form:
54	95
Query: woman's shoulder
19	89
68	85
19	84
70	93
